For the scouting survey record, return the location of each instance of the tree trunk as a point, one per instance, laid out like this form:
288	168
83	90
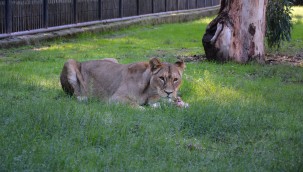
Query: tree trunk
238	32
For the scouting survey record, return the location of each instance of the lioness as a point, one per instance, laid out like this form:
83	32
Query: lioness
137	84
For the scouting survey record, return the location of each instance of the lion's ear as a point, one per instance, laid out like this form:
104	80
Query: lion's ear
181	65
155	64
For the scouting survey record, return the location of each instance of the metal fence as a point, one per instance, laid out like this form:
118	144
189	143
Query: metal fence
24	15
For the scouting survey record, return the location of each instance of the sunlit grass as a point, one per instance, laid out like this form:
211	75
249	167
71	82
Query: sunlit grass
297	15
207	88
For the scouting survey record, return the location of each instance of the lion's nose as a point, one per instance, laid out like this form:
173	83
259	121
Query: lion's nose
168	93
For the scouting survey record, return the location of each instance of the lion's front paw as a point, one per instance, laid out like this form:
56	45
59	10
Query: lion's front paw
180	103
141	108
155	105
82	98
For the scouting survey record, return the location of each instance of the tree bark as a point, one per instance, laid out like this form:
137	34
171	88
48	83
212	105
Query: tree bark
238	32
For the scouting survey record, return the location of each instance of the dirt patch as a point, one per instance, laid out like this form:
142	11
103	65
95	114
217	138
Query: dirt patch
296	60
194	58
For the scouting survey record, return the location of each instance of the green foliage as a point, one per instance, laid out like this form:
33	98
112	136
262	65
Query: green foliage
298	2
278	22
293	47
241	118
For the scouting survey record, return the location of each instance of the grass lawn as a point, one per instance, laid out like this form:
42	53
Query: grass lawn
241	117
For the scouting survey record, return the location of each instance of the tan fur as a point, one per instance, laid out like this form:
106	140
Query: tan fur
136	84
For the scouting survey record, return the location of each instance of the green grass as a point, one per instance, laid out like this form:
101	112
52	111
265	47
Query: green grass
241	117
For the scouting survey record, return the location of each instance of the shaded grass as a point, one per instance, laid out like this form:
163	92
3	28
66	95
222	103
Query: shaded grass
241	117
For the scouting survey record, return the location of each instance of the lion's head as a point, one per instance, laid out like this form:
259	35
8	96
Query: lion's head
166	77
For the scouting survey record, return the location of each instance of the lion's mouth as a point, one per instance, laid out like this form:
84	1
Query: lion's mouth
169	96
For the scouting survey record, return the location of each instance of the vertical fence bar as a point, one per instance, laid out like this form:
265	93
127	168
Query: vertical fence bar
212	2
99	10
187	4
152	5
8	16
205	3
45	13
165	5
138	7
177	4
196	3
120	8
75	11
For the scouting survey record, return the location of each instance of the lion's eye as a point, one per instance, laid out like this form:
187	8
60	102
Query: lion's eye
175	79
161	78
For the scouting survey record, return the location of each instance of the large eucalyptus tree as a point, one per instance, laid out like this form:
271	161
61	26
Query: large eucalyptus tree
238	32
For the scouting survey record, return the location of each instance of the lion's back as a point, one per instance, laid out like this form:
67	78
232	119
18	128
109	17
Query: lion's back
103	77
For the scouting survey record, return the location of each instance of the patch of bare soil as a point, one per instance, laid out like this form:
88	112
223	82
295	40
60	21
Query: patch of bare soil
194	58
296	60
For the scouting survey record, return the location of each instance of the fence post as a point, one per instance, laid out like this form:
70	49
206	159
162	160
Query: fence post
205	3
196	3
138	8
187	4
45	13
152	1
177	4
8	16
75	12
120	8
165	5
212	2
99	10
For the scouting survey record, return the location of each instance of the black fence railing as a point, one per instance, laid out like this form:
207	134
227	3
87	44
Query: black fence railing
24	15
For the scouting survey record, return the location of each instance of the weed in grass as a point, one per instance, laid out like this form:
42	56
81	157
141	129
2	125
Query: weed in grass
167	42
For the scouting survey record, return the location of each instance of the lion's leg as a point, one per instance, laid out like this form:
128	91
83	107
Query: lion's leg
72	81
124	99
